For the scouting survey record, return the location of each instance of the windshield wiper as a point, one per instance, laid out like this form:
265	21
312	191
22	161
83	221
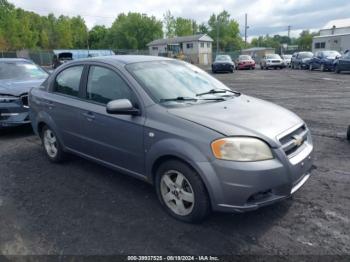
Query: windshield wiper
179	98
218	91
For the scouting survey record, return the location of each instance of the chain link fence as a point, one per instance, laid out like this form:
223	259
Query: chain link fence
44	58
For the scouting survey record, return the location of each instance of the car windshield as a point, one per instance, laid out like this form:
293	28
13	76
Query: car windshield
223	58
287	56
273	56
166	80
244	57
306	55
331	54
20	70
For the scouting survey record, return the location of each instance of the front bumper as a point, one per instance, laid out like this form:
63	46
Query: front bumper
246	186
13	113
223	67
275	65
245	66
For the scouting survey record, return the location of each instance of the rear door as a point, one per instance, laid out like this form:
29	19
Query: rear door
63	105
115	139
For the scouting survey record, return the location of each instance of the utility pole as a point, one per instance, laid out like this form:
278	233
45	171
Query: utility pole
246	27
217	35
289	27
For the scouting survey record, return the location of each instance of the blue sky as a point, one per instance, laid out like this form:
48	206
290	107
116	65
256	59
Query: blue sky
264	16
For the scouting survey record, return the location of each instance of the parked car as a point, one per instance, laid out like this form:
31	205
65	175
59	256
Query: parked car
342	63
61	58
223	63
203	146
287	60
302	60
324	60
17	77
245	62
272	61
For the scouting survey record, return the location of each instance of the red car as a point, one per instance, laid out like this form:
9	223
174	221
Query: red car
245	62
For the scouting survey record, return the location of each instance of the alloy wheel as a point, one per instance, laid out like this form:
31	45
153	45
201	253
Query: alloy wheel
50	143
177	193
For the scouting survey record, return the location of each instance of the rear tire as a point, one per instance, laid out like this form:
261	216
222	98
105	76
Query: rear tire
311	67
348	134
323	69
181	192
51	144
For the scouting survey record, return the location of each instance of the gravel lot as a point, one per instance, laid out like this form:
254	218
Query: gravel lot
82	208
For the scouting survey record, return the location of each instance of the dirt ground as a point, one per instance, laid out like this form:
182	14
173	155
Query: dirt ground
82	208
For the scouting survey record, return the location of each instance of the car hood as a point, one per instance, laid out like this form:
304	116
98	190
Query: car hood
223	62
242	116
18	87
306	59
246	61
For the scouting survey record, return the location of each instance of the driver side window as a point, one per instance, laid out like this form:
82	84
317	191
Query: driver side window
104	85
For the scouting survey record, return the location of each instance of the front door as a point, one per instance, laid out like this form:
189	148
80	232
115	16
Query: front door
115	139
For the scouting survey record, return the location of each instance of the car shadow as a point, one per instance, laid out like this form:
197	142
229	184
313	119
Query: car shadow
117	213
16	132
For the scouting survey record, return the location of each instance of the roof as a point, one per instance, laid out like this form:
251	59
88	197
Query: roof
15	59
257	49
180	39
338	23
335	35
125	59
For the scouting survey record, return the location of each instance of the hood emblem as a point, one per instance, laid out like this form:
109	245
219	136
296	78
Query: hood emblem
298	140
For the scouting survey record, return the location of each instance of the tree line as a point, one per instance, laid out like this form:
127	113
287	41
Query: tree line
20	29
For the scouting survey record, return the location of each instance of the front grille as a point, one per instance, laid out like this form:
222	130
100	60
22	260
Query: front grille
4	111
294	141
276	61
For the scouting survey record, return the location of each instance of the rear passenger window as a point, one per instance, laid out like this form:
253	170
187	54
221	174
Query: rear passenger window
105	85
67	82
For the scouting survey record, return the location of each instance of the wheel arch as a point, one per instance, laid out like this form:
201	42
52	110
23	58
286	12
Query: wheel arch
169	149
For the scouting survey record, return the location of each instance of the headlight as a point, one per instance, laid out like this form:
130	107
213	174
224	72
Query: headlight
241	149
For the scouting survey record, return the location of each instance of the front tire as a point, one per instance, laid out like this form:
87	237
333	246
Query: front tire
337	70
182	192
311	67
323	69
348	134
52	146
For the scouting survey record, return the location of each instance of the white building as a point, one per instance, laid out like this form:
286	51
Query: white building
335	36
196	49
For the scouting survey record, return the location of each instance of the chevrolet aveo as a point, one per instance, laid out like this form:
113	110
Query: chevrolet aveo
203	146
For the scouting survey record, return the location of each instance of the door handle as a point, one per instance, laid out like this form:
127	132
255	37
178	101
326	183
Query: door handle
89	116
48	103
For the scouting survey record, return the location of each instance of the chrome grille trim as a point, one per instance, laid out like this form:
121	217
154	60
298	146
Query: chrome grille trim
294	140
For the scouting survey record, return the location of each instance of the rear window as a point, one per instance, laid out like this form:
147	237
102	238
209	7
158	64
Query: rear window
244	57
223	58
273	56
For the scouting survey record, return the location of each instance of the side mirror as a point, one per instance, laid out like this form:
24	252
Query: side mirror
122	107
